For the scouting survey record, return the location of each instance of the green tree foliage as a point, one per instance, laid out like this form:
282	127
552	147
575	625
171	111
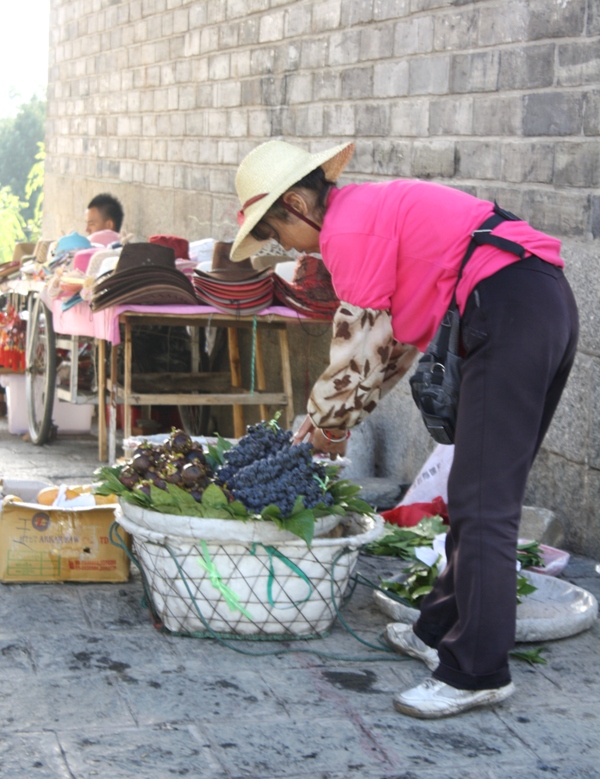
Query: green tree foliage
20	137
34	192
12	224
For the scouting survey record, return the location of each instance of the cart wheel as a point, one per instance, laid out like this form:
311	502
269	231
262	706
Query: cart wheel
40	380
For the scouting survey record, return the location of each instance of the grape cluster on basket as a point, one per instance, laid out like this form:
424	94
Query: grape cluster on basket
179	461
264	468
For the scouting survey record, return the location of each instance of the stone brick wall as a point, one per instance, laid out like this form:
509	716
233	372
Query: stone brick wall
158	100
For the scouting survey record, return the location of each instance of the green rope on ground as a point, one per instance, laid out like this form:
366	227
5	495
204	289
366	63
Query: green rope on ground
273	552
385	652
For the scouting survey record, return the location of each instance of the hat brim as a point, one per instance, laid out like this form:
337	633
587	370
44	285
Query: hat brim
333	161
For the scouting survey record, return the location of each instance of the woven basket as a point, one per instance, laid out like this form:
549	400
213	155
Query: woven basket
271	588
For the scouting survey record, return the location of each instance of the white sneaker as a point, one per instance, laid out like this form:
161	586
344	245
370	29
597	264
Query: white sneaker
401	638
434	699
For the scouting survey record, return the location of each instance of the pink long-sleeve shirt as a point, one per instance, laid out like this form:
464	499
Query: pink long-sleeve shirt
398	245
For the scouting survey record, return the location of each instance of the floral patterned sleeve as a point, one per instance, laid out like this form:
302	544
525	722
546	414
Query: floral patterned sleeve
365	363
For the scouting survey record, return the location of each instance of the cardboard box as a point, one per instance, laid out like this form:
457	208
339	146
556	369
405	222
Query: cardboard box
44	544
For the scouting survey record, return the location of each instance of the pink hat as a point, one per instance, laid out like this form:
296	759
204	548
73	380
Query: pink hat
82	258
104	237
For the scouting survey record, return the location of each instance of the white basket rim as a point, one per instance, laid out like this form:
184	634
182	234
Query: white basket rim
373	529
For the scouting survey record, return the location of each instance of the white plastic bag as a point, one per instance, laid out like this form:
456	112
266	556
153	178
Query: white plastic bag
432	479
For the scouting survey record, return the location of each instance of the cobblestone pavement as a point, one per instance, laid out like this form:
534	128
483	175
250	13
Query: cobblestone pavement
89	688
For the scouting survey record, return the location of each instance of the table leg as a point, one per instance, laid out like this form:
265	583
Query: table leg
260	374
101	378
286	373
236	379
112	435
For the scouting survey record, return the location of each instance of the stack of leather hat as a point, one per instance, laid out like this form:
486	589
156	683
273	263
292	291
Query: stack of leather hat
311	291
145	274
233	287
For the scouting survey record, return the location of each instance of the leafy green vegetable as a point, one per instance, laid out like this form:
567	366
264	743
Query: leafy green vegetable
529	554
402	541
531	656
417	584
524	587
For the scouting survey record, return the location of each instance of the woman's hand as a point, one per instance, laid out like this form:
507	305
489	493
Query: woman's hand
320	441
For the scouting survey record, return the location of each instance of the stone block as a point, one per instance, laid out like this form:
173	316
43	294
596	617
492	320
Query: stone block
578	63
355	12
237	126
540	524
271	27
429	75
390	9
297	21
218	66
326	15
413	36
497	115
380	492
581	262
478	159
372	119
248	31
314	53
339	120
451	116
236	8
477	72
553	113
392	158
229	35
591	112
376	43
456	31
503	23
568	435
593	19
527	68
594	428
390	79
433	159
309	120
326	86
527	161
595	217
410	118
557	213
344	47
259	124
239	64
357	83
251	92
227	94
577	164
261	61
181	20
361	163
209	39
556	19
286	57
298	88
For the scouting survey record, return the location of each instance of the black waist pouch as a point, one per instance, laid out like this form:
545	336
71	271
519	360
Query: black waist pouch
435	384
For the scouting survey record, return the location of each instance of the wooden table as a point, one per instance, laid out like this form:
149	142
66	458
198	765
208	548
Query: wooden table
209	388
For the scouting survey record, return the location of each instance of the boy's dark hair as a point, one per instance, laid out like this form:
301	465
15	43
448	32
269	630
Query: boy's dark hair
109	207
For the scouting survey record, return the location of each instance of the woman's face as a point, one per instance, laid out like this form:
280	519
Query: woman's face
291	233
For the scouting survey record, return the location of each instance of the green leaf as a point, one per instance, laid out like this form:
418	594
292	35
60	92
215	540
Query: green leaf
298	505
302	525
164	501
238	510
271	512
531	656
213	497
215	453
137	498
108	481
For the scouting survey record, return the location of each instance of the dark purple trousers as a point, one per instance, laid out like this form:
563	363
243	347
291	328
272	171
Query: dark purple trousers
519	335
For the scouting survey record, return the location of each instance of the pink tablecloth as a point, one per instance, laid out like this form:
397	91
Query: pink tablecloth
79	320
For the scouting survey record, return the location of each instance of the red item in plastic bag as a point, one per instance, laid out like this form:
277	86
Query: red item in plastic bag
411	515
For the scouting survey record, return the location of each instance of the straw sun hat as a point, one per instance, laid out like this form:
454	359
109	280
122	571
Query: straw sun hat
269	171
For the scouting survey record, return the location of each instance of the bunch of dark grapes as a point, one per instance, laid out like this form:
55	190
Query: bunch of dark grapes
271	470
259	442
178	461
